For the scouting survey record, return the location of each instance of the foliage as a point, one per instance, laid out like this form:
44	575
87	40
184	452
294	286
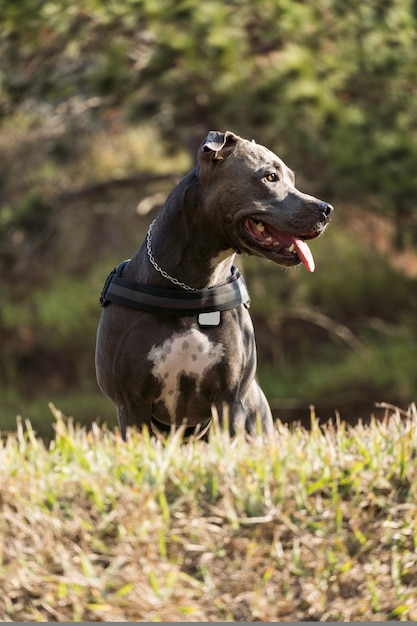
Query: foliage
333	83
347	332
101	105
309	526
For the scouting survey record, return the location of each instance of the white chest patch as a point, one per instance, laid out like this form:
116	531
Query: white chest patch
189	354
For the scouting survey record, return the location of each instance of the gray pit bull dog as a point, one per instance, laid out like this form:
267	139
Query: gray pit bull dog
175	337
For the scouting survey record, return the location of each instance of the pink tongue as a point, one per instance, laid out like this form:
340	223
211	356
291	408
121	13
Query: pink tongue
304	254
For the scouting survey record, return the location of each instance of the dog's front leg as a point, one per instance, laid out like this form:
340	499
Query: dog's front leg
133	414
257	407
241	416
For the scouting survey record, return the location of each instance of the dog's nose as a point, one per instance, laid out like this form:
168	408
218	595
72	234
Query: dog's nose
326	209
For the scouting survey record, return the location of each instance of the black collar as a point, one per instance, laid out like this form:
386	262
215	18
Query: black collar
135	295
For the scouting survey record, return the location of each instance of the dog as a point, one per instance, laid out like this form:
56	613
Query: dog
175	341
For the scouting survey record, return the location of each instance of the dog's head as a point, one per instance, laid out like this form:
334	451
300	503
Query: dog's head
259	208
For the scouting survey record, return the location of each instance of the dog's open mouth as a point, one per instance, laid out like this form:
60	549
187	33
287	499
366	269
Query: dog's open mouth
282	248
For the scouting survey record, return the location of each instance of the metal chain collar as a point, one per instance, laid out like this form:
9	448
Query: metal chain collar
158	268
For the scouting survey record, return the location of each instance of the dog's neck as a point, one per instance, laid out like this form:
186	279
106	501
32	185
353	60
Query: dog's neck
220	266
186	260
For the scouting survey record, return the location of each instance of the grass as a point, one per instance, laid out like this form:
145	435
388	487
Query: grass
312	525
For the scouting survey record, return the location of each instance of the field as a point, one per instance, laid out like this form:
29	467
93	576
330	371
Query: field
317	524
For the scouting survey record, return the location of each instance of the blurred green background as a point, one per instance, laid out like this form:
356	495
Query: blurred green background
102	107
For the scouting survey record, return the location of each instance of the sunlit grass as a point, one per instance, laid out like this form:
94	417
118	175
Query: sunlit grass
310	525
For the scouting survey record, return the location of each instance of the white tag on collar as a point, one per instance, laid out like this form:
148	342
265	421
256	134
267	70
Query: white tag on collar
209	319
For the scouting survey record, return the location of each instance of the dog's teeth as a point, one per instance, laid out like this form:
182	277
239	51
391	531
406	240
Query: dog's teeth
269	239
291	248
259	226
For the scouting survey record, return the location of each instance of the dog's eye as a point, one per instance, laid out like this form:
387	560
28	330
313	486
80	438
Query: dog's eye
271	177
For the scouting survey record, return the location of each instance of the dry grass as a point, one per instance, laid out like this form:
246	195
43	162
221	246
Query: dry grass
314	525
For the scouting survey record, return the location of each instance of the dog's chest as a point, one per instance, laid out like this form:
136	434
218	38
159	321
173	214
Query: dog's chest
190	354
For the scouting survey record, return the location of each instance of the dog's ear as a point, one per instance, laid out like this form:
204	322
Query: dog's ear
217	146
